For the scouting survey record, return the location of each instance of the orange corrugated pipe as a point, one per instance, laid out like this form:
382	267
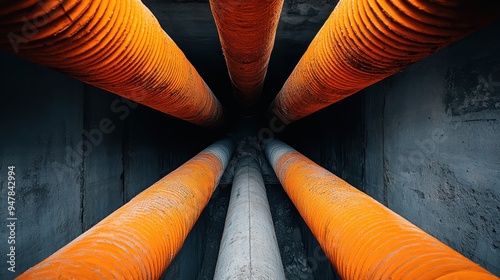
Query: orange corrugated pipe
362	238
364	41
139	240
118	46
247	30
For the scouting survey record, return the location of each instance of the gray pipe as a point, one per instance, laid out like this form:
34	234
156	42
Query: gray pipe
249	249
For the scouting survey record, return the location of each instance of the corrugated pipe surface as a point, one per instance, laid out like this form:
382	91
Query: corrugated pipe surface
139	240
364	41
362	238
118	46
249	249
247	30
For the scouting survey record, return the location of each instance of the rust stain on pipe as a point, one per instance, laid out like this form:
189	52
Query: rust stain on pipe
362	238
364	41
139	240
247	30
118	46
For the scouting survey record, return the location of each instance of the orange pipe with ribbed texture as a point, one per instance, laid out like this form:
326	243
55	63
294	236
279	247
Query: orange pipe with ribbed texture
364	41
362	238
139	240
247	30
118	46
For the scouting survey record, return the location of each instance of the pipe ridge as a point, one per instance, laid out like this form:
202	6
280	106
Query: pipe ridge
362	238
349	54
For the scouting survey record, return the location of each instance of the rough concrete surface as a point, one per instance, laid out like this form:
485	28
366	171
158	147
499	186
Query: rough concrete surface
79	154
40	125
102	190
432	149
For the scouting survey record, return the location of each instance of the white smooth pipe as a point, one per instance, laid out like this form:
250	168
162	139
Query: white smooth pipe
249	249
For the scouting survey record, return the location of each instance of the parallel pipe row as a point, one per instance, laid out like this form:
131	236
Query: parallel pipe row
118	46
139	240
364	41
247	30
362	238
249	249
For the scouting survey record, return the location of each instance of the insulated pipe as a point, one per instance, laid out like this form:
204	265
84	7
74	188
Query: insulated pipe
118	46
140	239
364	41
249	249
362	238
247	30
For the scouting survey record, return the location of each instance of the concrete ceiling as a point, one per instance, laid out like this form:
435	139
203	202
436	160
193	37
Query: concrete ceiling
191	25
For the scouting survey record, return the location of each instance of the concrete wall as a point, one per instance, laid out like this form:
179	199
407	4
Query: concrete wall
41	119
433	149
333	138
79	154
424	142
